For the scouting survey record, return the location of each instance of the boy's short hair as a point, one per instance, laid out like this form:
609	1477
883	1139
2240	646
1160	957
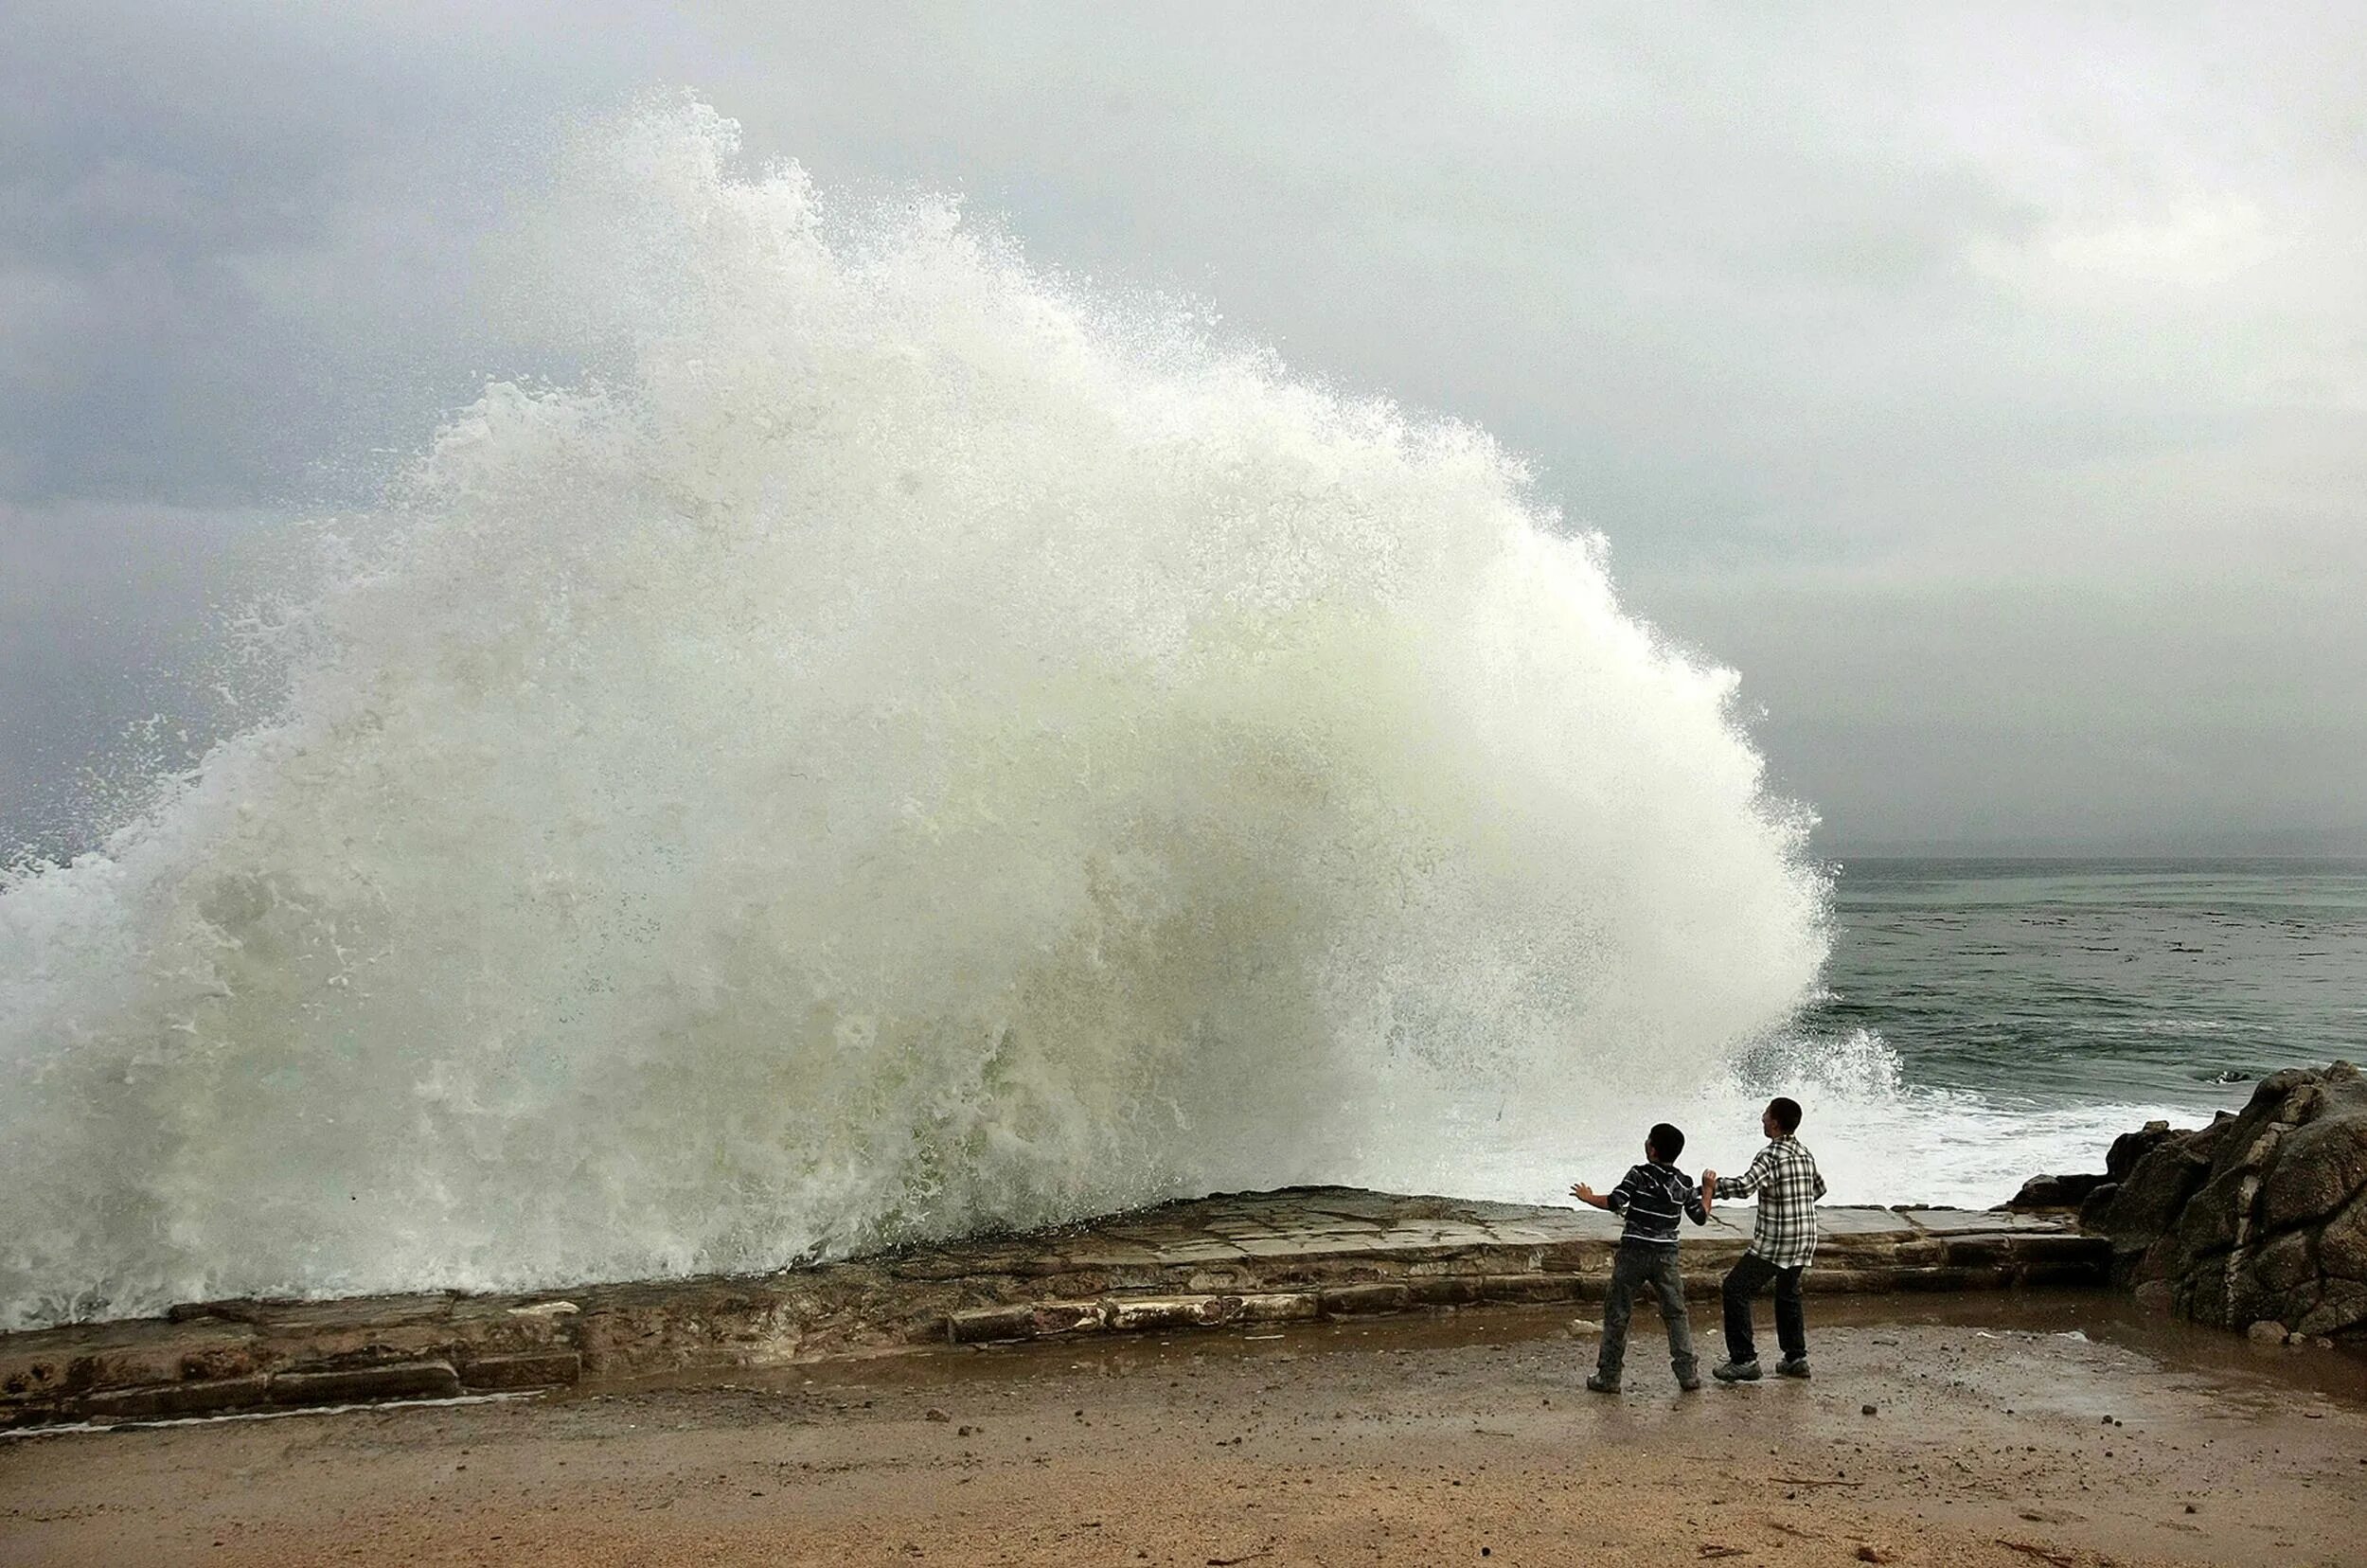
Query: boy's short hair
1786	1111
1666	1140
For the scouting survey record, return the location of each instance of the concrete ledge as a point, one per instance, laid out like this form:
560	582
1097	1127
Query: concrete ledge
1530	1287
434	1380
172	1400
1231	1259
1350	1300
1281	1307
533	1369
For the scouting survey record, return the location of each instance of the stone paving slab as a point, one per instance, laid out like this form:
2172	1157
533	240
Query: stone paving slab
1981	1222
1230	1259
1835	1220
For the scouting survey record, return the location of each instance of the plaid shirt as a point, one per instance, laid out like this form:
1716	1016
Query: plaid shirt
1785	1177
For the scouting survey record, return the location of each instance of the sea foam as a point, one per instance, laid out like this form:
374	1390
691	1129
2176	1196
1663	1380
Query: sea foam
900	744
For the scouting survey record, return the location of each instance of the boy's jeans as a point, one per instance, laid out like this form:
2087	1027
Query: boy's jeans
1641	1263
1748	1278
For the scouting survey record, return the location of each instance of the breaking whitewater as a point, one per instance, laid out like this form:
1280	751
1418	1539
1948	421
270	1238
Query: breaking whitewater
904	746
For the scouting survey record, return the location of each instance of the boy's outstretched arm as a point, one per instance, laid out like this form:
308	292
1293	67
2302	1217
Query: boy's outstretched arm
1616	1200
1752	1180
1697	1206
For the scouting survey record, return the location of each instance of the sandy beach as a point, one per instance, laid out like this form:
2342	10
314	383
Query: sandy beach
2010	1430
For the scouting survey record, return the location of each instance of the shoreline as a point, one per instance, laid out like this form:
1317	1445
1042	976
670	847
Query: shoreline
1297	1256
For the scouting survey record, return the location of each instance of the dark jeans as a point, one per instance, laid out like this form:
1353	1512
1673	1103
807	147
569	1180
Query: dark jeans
1748	1278
1638	1264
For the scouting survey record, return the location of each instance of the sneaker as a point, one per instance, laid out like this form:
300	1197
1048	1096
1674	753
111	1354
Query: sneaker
1688	1385
1735	1371
1597	1384
1792	1366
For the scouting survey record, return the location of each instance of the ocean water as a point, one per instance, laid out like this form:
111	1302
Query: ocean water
1981	1021
2051	1002
2060	982
904	746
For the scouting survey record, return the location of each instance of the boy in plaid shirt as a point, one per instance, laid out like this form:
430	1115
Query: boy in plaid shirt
1785	1179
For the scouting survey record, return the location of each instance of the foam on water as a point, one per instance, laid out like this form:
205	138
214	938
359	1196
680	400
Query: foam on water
1878	1137
910	747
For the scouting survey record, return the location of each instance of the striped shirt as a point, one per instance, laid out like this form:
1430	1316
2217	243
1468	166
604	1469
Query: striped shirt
1651	1197
1785	1177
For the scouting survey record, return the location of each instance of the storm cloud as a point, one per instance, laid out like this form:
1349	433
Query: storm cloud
1987	386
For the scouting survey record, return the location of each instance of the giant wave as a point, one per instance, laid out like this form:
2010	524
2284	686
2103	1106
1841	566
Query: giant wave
903	744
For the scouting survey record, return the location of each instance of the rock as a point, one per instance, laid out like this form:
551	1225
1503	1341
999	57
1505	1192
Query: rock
1865	1410
2092	1192
2215	1218
2267	1331
2342	1244
2341	1308
2055	1191
2285	1263
2129	1147
934	1414
1584	1329
2320	1167
2258	1219
2150	1199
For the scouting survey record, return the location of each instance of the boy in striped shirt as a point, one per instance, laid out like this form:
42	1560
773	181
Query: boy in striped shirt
1651	1195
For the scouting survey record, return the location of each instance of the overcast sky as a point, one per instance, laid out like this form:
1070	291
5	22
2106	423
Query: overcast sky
1988	385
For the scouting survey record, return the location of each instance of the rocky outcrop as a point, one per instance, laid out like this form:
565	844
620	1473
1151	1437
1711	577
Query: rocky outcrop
2088	1189
2259	1218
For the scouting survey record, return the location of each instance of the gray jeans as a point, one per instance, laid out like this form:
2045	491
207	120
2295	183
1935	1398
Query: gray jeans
1638	1264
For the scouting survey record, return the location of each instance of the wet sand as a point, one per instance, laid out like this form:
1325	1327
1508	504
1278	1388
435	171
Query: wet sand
1998	1438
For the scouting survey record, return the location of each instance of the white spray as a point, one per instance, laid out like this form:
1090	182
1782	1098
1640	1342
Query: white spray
913	749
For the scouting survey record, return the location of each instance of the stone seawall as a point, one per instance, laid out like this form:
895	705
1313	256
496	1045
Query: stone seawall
1250	1257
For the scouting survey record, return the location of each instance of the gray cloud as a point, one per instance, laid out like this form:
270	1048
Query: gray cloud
1990	386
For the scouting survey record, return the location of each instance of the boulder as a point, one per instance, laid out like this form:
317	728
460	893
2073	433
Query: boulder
2321	1166
2341	1309
2151	1198
2163	1190
2286	1264
2258	1219
2044	1192
2129	1147
2086	1188
2342	1244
